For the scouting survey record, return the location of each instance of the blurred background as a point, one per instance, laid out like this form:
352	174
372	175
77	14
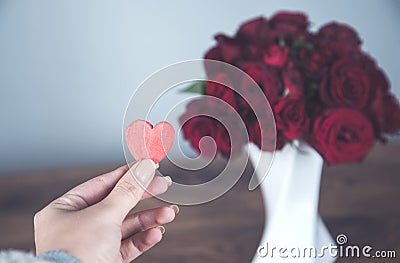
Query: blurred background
68	68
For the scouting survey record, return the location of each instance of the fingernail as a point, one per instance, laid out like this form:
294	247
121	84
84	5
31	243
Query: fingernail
175	208
162	229
144	171
168	179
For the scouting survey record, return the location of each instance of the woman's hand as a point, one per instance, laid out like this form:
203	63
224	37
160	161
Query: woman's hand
91	221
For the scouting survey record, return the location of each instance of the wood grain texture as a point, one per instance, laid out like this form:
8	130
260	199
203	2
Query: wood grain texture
359	200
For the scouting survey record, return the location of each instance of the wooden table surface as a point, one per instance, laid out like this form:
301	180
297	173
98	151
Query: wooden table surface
361	201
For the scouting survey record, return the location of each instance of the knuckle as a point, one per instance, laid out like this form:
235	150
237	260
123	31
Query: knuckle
99	181
158	220
39	219
120	170
70	201
129	188
148	241
124	254
141	222
165	215
127	251
151	240
36	219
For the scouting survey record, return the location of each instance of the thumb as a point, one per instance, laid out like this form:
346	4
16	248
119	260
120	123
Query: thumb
129	189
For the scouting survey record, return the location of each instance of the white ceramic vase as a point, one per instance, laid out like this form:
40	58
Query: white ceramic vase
290	191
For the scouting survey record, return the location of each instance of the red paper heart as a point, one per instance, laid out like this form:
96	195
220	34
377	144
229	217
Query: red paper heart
145	141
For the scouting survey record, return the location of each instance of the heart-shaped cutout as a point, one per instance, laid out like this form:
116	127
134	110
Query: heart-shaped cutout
147	142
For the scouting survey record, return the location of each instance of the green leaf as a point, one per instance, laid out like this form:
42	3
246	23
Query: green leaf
314	86
197	87
302	43
298	45
281	42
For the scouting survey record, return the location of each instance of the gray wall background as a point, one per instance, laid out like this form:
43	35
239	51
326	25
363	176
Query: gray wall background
68	68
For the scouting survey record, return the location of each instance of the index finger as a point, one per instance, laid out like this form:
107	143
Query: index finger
97	188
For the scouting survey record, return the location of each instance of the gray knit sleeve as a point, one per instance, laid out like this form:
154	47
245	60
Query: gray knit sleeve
58	256
17	256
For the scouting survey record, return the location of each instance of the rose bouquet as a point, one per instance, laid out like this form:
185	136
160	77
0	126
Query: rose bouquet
321	86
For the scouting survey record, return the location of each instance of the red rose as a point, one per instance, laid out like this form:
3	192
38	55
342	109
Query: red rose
289	25
229	48
293	80
267	138
213	53
391	115
384	114
313	63
213	88
198	127
276	56
229	144
321	87
376	75
251	94
205	117
337	32
254	30
379	79
291	117
375	111
342	136
337	40
268	79
348	84
195	125
254	36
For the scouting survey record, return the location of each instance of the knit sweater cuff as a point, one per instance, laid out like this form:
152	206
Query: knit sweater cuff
58	256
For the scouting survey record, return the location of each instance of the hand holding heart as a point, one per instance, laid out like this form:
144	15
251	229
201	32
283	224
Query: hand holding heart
93	221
